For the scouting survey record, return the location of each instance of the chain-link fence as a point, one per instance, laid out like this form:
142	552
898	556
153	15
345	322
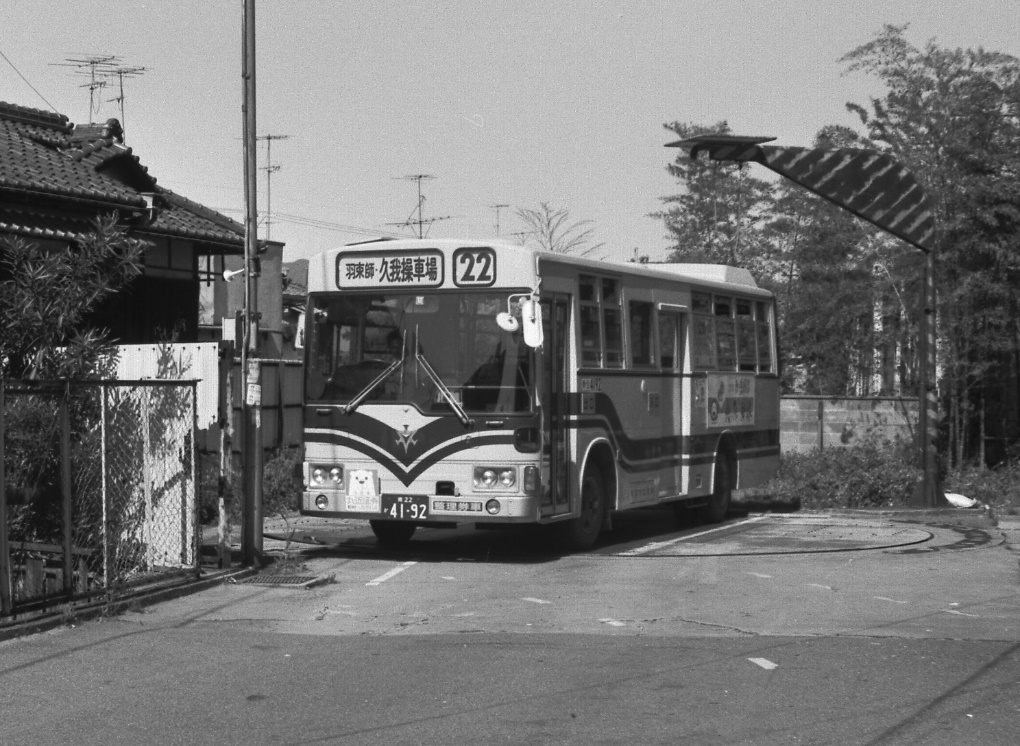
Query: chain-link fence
97	488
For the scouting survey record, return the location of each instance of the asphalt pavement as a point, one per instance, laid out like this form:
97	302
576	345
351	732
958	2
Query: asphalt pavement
848	627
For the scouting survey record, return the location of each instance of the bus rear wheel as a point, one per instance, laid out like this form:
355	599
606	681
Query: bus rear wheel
722	493
583	531
392	532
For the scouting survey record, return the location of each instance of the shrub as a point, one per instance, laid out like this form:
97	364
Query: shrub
998	487
281	482
867	475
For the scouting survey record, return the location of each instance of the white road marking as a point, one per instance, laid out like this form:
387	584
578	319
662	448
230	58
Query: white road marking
759	575
958	613
661	544
395	571
536	600
819	585
891	600
613	622
764	663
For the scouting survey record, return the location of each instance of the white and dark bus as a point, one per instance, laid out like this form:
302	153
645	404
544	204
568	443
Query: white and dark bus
454	382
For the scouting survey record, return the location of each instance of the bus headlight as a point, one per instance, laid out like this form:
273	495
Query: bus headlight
322	502
495	477
331	476
492	507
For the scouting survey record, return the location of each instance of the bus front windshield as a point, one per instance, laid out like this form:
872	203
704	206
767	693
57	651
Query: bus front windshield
442	353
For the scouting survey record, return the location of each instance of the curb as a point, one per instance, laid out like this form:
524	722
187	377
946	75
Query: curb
58	618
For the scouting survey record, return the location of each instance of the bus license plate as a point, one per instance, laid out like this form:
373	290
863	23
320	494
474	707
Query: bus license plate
406	507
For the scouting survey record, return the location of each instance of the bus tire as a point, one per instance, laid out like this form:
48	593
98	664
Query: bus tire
583	531
722	492
392	532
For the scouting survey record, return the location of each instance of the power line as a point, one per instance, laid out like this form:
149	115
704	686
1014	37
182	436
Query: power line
7	60
320	224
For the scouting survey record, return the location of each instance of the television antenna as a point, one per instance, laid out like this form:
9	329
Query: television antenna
120	73
420	221
497	208
94	67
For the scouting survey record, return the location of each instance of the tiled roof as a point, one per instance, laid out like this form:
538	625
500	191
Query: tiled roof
43	155
179	216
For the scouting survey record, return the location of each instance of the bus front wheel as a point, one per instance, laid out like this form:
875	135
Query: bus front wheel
392	532
584	530
722	493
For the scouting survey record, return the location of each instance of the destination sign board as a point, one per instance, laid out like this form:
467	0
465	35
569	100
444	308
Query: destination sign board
372	269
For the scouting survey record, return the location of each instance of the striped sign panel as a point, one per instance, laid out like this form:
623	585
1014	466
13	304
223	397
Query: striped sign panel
871	185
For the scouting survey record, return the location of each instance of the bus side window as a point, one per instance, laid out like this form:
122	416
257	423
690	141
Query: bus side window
764	337
747	356
612	319
667	341
641	353
725	335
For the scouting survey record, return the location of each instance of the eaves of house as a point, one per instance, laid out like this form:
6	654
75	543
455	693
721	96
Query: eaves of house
55	178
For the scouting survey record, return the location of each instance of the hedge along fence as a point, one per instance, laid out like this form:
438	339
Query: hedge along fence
97	488
808	423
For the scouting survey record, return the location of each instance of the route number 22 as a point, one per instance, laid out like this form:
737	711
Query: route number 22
474	267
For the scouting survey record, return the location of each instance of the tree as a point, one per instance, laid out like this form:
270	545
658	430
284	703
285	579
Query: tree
46	296
552	230
715	218
953	117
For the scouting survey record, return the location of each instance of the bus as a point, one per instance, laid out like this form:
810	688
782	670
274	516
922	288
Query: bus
451	382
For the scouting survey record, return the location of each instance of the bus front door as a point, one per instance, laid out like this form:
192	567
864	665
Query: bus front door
555	406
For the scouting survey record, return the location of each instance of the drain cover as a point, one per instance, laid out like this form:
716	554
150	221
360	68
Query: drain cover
280	579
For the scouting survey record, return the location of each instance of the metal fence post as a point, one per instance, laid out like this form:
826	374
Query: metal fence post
67	498
5	556
196	533
104	487
148	529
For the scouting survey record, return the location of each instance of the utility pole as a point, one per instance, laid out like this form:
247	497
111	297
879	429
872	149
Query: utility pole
270	169
251	404
497	208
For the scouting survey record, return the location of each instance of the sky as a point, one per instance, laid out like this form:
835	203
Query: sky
505	102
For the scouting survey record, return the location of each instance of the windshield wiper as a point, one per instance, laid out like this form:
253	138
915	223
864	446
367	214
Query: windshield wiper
447	394
363	394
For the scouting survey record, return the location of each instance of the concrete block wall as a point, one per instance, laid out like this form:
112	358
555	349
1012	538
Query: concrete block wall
809	422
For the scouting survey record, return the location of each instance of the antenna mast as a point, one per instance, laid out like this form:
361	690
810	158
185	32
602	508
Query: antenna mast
497	208
121	73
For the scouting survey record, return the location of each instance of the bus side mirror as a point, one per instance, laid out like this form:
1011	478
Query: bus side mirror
531	321
299	333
